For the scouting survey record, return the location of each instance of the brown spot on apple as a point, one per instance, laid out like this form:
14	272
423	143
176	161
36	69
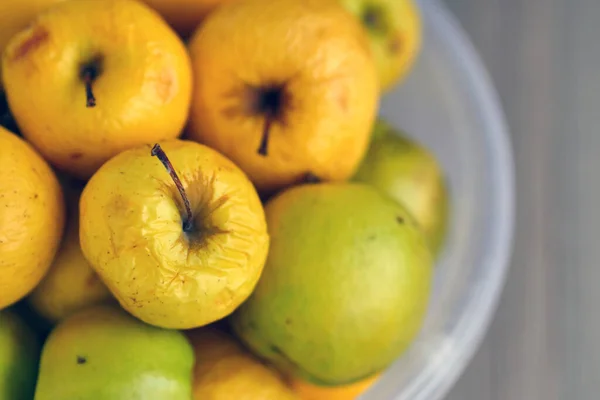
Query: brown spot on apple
342	100
91	280
76	156
395	45
37	38
165	84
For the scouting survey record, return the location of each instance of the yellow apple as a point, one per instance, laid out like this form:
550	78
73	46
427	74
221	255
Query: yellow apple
32	218
179	248
284	89
71	284
16	14
224	369
89	79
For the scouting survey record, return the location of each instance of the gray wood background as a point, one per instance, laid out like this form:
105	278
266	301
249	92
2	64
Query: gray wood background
544	57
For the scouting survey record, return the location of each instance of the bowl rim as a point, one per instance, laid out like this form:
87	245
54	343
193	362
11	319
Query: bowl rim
440	374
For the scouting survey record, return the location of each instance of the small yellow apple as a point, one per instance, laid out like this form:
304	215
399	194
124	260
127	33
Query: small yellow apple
32	218
284	89
184	15
71	284
225	370
179	248
89	79
16	14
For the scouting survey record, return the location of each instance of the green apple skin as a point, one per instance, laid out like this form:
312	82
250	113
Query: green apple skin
410	174
103	353
345	288
395	31
19	356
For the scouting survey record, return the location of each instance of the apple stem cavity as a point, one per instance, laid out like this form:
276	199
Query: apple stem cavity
270	102
89	72
158	152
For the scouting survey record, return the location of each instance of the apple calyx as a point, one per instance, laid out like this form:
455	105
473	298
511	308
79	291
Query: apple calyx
158	152
89	73
311	178
270	102
374	18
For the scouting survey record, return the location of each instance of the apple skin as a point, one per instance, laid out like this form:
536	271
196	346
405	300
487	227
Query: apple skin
19	357
408	172
131	232
15	15
142	81
103	353
394	28
300	70
32	218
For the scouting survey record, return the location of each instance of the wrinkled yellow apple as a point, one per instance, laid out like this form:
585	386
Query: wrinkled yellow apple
16	14
32	218
166	268
285	89
89	79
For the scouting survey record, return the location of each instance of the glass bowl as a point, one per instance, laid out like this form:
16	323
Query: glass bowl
449	105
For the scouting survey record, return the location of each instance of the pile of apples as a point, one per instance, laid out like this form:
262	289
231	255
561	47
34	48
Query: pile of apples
198	199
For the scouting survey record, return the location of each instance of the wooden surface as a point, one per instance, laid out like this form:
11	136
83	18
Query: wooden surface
544	57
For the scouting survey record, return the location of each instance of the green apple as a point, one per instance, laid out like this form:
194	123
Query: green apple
103	353
409	173
19	355
345	287
395	31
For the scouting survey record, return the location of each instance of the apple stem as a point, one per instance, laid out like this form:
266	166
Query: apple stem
158	152
88	79
264	143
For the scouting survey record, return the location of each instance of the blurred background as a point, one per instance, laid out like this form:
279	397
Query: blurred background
544	58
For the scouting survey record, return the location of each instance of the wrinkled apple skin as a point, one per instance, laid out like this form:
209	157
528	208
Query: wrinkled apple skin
131	232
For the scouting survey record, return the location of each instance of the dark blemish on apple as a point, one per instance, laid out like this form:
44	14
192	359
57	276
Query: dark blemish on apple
81	360
400	220
35	196
288	321
38	37
76	156
371	238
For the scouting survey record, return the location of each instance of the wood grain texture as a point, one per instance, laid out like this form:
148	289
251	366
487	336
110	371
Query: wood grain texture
544	57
